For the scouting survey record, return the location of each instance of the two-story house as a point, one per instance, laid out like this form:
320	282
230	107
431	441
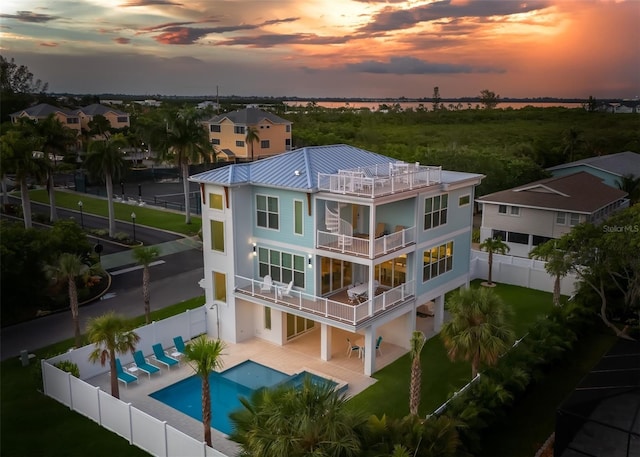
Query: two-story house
228	132
332	237
117	119
533	213
68	118
610	168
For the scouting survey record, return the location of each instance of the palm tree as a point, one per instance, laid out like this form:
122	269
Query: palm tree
144	256
251	137
556	264
204	356
105	161
631	185
111	335
492	245
571	141
18	145
186	142
478	331
417	343
68	268
55	139
310	420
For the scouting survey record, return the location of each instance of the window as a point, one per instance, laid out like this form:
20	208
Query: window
287	142
437	260
267	318
240	143
435	211
502	209
215	141
264	144
537	239
239	129
499	234
515	211
520	238
287	128
282	266
73	120
122	119
464	200
217	236
267	212
215	201
219	286
214	128
297	217
561	218
574	219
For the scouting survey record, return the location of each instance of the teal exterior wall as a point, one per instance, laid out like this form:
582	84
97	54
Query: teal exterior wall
609	178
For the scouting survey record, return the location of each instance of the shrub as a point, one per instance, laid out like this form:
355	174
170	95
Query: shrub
121	236
69	367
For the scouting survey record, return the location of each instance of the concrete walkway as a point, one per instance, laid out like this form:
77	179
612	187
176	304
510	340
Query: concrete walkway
122	258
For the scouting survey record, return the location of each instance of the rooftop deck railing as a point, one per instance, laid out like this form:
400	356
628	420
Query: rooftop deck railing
314	306
380	180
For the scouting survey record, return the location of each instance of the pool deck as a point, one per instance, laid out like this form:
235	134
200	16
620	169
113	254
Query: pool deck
301	354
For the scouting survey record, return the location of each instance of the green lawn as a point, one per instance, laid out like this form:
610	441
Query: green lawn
145	215
440	376
35	425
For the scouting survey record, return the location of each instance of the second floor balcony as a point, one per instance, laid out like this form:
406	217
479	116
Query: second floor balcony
366	245
336	307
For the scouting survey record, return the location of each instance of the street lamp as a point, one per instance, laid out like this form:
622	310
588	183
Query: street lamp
81	214
133	218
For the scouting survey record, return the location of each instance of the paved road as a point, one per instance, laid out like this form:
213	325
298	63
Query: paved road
173	279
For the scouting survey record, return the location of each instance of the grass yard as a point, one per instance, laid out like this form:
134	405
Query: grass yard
145	215
35	425
440	376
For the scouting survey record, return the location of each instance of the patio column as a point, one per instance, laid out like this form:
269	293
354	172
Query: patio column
370	351
325	342
438	313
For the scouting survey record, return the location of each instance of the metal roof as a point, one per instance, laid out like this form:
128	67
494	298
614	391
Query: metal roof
620	164
299	169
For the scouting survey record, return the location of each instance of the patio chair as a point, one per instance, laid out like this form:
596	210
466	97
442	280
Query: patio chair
160	356
123	376
179	349
143	364
352	347
378	343
287	291
380	228
267	282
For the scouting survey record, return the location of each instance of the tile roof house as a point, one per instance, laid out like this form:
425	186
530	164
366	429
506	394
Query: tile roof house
332	239
68	118
227	132
610	168
531	214
117	119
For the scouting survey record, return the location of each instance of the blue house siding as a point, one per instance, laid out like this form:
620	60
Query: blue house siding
457	217
461	257
609	179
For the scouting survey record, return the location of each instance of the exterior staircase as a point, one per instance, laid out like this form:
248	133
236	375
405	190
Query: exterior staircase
338	226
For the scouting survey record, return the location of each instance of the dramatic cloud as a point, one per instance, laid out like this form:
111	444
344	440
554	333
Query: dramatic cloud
150	3
29	16
269	41
121	40
412	66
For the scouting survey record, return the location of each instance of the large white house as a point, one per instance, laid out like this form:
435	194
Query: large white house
332	237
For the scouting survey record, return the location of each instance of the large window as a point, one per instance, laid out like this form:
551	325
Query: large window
219	286
217	236
435	211
215	201
122	119
240	143
215	141
520	238
297	217
264	144
239	129
214	127
267	212
437	260
281	266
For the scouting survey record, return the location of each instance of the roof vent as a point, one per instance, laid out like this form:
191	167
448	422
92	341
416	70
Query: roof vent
297	172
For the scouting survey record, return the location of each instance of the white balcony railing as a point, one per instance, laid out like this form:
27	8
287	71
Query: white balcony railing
360	246
313	306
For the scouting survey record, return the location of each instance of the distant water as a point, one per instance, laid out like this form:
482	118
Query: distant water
375	106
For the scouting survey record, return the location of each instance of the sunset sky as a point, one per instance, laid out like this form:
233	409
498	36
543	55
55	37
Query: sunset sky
325	48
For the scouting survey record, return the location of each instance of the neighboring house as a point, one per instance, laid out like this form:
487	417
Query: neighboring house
117	119
68	118
228	131
531	214
319	220
610	168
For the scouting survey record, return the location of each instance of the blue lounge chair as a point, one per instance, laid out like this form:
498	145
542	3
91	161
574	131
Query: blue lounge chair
163	358
179	342
123	376
143	365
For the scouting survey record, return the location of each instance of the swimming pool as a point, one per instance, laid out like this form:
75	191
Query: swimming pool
226	389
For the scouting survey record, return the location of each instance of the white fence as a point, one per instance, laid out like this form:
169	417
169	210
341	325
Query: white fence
139	428
518	271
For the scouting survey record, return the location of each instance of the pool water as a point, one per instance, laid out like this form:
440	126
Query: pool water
226	388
